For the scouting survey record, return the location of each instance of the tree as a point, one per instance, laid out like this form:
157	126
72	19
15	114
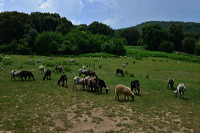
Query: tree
176	36
99	28
188	45
47	43
197	48
132	35
166	46
153	35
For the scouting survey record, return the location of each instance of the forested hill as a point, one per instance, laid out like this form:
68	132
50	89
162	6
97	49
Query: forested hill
187	26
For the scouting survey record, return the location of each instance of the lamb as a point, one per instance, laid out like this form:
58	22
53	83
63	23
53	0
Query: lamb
63	79
180	90
122	89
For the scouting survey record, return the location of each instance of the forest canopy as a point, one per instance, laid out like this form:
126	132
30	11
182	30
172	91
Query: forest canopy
51	34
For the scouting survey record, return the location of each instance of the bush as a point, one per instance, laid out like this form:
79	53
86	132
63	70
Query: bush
197	48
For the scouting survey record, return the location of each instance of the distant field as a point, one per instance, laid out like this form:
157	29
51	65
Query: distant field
43	106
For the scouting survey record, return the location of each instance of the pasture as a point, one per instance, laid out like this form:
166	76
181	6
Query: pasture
43	106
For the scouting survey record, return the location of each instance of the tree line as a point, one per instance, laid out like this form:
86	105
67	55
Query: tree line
50	34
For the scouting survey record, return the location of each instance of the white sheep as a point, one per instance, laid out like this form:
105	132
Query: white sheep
180	90
122	89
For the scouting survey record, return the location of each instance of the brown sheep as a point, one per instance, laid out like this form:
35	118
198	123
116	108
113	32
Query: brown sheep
122	89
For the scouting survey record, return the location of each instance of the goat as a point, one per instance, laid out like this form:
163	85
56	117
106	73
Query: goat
15	73
135	84
58	69
63	79
47	74
25	74
79	81
41	69
170	83
119	71
180	90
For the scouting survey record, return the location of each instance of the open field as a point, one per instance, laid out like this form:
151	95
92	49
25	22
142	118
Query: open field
43	106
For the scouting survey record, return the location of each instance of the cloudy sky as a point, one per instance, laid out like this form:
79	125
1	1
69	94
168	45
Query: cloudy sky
115	13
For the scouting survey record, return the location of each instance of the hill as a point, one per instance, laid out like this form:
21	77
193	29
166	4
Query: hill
187	26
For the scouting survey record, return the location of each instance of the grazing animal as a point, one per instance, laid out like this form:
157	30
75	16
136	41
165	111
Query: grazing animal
81	71
180	90
87	73
58	69
38	61
7	58
91	73
124	65
135	84
41	69
99	84
25	74
79	81
15	73
122	89
119	71
72	60
47	74
170	83
50	58
63	79
90	83
1	68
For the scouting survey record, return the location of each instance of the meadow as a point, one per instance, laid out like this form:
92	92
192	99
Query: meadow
43	106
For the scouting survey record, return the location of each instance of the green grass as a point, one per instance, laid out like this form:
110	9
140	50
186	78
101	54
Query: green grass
43	106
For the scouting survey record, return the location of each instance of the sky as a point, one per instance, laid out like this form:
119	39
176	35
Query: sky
114	13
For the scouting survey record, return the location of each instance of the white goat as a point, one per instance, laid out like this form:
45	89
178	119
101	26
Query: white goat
41	69
122	89
15	73
180	90
79	81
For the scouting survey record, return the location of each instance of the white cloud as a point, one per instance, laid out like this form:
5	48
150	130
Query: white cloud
45	6
74	22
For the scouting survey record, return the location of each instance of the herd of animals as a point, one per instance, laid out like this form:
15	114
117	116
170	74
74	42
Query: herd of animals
88	79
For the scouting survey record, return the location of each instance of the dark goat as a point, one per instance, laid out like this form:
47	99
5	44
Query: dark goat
91	73
63	79
119	71
58	69
25	74
47	75
170	83
135	84
100	84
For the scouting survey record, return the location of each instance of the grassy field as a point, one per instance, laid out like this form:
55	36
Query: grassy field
43	106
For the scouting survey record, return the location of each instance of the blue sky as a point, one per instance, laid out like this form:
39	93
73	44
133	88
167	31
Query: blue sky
115	13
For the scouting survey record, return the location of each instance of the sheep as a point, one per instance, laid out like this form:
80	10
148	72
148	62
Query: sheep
42	69
170	83
122	89
180	90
